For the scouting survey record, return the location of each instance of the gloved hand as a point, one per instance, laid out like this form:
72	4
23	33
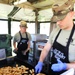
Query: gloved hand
38	67
59	66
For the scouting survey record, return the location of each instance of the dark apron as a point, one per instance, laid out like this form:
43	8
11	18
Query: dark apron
22	46
59	51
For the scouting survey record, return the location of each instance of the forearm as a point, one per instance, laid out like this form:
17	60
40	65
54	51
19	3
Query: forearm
28	45
71	65
14	44
43	55
28	48
45	52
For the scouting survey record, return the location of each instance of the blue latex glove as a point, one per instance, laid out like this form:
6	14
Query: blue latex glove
38	67
59	66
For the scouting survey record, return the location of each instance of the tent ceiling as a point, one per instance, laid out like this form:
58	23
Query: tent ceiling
31	3
25	10
6	1
7	11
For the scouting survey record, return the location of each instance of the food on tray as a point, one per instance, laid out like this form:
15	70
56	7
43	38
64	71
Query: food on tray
17	70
